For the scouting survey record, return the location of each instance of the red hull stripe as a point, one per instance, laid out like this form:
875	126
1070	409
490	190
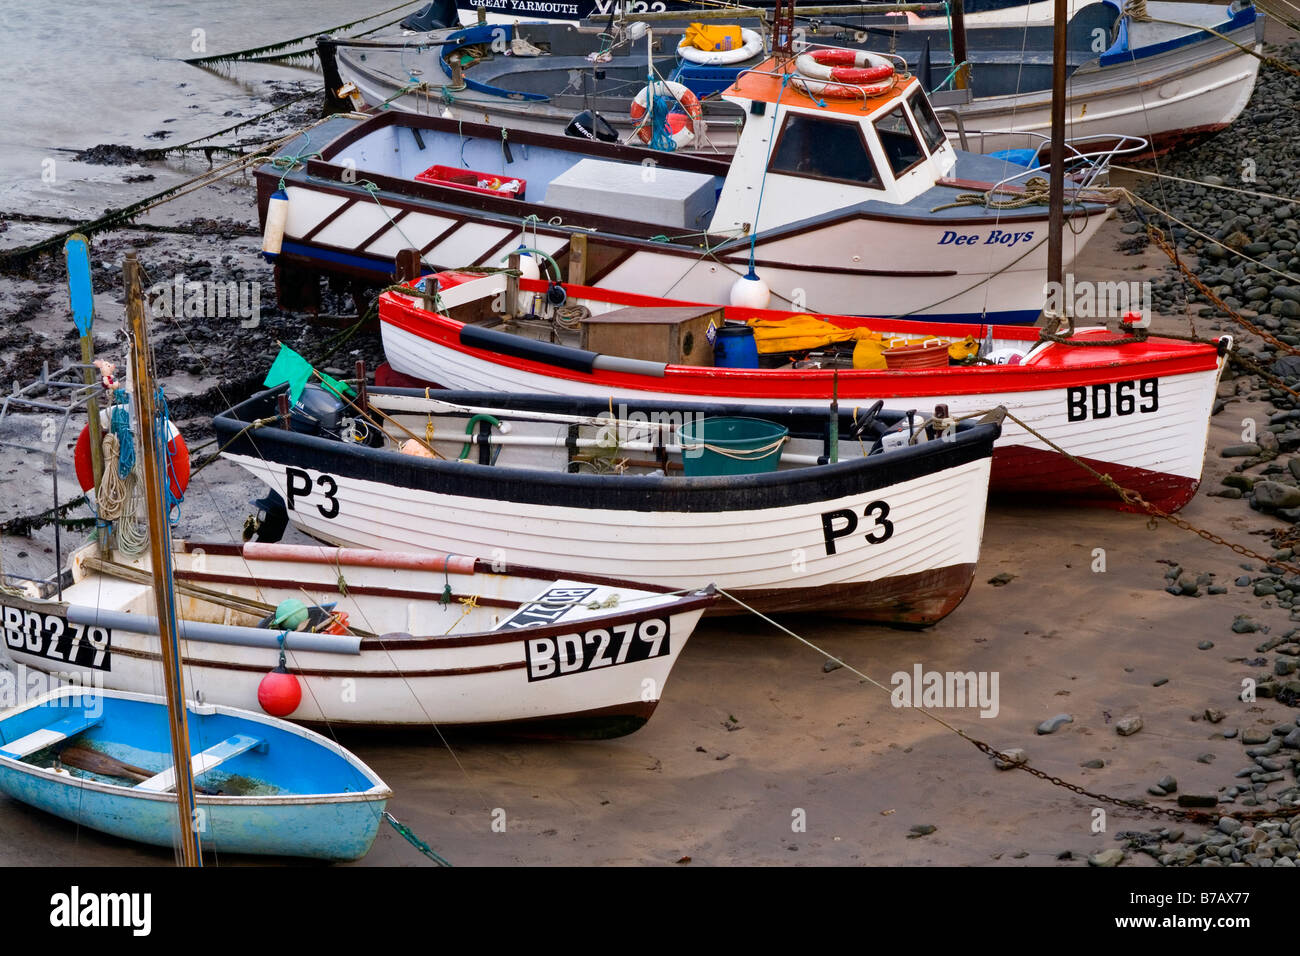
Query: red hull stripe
1060	368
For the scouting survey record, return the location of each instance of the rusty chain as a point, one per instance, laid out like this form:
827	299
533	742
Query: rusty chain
1158	237
1135	499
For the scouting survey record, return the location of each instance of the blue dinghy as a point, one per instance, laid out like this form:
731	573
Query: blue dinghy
102	758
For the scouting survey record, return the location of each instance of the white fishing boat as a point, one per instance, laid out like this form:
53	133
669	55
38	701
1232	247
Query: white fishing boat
885	529
1138	410
1167	72
843	196
371	638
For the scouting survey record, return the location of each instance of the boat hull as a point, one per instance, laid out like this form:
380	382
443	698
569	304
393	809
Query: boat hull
934	563
1089	401
1169	97
264	829
480	679
1164	88
890	539
947	261
294	822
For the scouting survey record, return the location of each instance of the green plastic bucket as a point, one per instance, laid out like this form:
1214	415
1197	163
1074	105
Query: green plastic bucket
731	446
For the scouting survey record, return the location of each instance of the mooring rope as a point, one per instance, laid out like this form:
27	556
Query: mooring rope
1136	10
251	52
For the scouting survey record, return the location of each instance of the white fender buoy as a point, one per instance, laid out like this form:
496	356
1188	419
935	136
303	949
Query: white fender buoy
529	268
750	292
277	215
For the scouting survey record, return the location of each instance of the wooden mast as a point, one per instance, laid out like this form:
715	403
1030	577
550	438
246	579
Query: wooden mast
151	455
1056	188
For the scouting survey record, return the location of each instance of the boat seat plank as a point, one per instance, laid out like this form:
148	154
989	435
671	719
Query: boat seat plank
49	735
228	749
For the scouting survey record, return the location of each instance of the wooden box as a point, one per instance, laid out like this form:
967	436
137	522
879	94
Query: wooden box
677	336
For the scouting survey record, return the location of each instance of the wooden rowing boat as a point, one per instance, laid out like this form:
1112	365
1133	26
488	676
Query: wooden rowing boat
266	786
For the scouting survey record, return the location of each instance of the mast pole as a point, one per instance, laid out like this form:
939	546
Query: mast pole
160	563
961	78
1056	188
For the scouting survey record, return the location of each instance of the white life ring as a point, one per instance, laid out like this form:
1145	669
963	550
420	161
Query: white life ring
861	73
681	125
751	47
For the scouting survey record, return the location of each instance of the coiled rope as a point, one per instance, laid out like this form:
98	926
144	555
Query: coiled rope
1035	194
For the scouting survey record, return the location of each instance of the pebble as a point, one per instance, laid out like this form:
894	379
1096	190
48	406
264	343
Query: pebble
1272	495
1053	724
1106	858
1002	579
1244	624
921	829
1245	450
1017	756
831	665
1128	726
1160	682
1228	825
1093	764
1207	645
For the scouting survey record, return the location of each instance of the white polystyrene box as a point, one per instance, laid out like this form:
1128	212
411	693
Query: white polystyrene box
649	194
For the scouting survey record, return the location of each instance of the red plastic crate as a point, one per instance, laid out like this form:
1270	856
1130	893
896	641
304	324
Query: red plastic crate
469	179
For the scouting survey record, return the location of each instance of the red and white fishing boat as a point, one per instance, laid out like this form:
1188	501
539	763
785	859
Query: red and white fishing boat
1137	411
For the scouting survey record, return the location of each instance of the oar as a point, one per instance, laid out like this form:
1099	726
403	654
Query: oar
95	762
92	760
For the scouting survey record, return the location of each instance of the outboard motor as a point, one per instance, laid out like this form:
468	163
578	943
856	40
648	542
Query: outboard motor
591	125
319	412
432	16
269	521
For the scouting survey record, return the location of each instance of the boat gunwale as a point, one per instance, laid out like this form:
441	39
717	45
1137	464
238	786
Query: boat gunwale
378	790
798	487
1200	357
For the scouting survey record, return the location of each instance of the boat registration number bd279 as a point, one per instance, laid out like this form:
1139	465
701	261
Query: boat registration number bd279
55	638
599	647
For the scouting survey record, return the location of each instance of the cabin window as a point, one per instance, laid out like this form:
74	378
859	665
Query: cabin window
899	142
823	149
931	131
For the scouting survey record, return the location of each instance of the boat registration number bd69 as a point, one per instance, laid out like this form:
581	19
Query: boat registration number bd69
599	647
57	639
1112	398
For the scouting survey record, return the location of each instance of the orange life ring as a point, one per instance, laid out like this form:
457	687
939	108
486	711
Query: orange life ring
177	451
681	125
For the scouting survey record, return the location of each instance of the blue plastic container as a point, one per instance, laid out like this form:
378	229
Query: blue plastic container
735	347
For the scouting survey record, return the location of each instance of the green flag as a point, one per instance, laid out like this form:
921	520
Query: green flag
291	367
